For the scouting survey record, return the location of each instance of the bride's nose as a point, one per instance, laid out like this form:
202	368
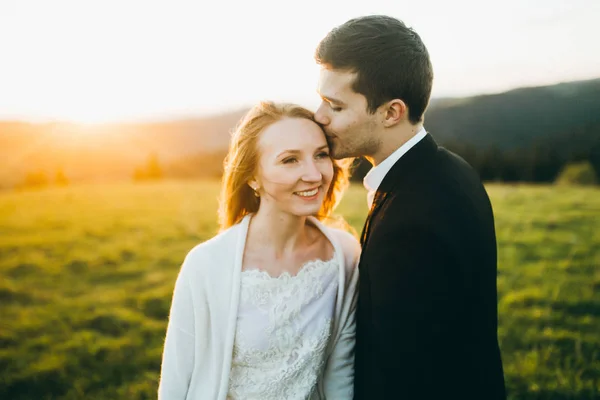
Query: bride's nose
312	173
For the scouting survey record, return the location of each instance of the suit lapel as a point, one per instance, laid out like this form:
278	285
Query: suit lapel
409	164
378	201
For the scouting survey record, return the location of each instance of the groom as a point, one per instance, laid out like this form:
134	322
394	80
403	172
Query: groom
427	312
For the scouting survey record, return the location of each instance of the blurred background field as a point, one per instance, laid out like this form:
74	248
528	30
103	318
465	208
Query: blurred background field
87	273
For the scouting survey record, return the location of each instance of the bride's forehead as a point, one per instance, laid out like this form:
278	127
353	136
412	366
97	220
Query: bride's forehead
301	137
290	126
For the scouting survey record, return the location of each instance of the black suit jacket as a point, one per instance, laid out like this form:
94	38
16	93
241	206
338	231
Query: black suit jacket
427	305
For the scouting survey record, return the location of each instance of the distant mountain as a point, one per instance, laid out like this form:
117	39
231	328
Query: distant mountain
562	118
517	118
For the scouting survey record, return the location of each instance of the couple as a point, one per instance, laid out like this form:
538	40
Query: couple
273	307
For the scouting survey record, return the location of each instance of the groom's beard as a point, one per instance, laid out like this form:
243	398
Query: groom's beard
334	145
336	149
352	146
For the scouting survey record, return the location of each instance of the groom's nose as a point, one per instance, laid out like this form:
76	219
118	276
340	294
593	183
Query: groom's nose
321	118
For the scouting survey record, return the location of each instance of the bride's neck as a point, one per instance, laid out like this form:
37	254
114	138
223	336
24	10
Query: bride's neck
281	231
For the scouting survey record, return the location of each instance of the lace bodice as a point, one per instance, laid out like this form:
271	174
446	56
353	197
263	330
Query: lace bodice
283	327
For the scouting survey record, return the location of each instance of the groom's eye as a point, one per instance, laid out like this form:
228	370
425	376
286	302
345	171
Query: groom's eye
335	109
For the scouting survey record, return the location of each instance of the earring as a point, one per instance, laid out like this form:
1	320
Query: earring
255	191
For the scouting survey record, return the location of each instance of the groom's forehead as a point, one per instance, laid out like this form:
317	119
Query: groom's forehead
338	81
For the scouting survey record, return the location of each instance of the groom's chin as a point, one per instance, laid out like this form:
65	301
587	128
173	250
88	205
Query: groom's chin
334	151
337	153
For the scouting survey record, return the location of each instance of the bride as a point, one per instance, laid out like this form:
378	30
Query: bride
265	309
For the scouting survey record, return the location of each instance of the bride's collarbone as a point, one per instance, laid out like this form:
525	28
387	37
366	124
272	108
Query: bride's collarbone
265	259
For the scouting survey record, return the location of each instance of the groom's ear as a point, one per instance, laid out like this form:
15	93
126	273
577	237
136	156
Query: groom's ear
395	112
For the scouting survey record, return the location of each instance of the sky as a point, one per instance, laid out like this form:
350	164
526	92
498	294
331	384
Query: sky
107	60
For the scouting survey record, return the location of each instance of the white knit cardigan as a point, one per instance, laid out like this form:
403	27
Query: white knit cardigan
200	334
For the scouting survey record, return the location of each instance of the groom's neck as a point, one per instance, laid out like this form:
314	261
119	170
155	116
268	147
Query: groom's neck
392	140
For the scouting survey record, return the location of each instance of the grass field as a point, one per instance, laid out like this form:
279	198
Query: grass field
86	277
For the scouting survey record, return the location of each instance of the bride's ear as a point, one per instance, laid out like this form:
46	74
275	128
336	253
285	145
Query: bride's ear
253	185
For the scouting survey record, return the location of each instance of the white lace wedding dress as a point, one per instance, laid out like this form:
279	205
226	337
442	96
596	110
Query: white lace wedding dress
283	327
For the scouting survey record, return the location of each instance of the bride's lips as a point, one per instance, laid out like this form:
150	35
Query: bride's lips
310	194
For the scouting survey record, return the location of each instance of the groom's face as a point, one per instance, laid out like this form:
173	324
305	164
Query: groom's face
351	130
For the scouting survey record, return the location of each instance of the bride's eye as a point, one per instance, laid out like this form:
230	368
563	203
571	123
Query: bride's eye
289	160
323	154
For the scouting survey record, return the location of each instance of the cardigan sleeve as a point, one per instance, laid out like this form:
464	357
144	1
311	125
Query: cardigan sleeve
338	382
178	353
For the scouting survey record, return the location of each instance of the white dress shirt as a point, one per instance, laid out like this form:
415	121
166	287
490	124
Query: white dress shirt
375	176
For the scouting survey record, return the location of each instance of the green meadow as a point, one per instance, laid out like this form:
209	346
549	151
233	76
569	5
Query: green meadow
87	273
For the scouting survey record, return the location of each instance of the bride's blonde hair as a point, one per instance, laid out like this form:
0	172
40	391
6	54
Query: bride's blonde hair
237	198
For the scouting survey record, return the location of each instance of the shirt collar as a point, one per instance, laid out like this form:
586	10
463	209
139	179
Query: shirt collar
376	175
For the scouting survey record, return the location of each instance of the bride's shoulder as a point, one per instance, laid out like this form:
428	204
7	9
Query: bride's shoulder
341	232
348	243
212	250
347	239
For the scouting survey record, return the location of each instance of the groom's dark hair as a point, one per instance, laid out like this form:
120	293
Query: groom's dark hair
389	59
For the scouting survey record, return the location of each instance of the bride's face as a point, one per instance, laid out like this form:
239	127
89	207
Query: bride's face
294	167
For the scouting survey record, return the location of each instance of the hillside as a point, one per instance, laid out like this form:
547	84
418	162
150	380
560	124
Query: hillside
109	151
520	117
561	121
